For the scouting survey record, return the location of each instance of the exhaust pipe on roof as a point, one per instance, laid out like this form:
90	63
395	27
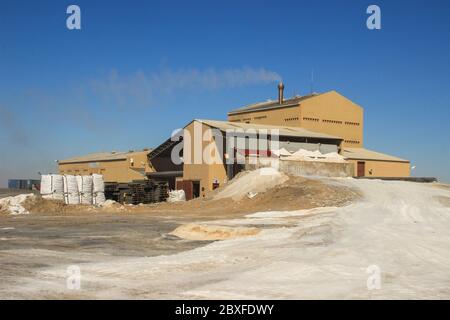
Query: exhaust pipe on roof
280	92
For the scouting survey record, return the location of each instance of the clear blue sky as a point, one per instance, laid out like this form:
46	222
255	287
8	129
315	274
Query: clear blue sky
139	69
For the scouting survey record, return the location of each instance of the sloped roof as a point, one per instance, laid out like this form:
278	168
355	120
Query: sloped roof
283	131
102	156
365	154
272	104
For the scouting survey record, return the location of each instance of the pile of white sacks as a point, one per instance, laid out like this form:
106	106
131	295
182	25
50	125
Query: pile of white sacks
74	189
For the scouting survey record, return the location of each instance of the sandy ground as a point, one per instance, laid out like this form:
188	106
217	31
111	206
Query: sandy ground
307	238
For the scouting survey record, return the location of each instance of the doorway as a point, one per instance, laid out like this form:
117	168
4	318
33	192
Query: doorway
195	189
361	169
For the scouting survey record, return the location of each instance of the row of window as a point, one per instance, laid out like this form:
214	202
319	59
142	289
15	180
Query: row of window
311	119
352	141
77	171
332	121
349	123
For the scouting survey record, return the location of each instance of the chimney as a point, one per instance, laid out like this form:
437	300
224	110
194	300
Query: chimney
280	92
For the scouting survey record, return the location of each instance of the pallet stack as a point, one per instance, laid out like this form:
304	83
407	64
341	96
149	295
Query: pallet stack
136	192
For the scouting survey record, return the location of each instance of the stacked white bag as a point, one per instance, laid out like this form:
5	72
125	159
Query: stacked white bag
85	185
74	189
71	194
52	186
99	189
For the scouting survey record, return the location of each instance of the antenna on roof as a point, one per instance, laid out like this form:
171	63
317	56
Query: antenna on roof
312	81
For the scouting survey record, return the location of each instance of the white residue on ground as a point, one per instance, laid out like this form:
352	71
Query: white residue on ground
399	227
13	205
254	181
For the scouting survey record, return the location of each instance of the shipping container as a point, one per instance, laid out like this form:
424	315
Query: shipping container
25	184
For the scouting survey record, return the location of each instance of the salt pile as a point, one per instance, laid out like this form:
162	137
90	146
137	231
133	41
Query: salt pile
13	205
306	155
176	196
255	181
109	204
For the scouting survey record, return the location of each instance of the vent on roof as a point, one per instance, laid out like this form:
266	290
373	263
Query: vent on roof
280	93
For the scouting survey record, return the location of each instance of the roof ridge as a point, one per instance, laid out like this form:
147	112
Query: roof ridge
272	103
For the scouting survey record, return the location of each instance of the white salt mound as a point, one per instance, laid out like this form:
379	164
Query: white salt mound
306	155
13	205
255	181
176	196
108	203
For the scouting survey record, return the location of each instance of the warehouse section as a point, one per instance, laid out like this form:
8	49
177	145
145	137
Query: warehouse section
120	167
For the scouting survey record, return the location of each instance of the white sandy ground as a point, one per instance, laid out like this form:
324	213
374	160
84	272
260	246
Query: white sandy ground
322	253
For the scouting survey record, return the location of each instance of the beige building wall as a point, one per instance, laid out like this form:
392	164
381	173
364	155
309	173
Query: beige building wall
334	114
383	168
287	116
132	168
329	113
203	172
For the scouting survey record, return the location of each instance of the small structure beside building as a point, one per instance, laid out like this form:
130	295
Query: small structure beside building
24	184
120	167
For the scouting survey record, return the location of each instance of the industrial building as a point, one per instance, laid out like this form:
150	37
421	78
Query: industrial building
120	167
197	176
326	122
330	113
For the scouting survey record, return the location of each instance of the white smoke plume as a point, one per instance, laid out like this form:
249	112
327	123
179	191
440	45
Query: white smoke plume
142	88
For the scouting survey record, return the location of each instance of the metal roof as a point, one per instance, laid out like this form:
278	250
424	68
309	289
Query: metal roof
272	104
102	156
283	131
365	154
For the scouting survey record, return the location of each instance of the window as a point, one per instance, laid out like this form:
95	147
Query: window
311	119
332	121
352	141
260	117
291	119
350	123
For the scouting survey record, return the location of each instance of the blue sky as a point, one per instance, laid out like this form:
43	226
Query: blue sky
139	69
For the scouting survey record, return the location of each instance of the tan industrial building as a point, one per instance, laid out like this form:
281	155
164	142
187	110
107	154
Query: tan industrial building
327	122
330	113
199	177
121	167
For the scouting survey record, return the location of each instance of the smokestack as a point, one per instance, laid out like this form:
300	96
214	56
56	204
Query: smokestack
280	92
